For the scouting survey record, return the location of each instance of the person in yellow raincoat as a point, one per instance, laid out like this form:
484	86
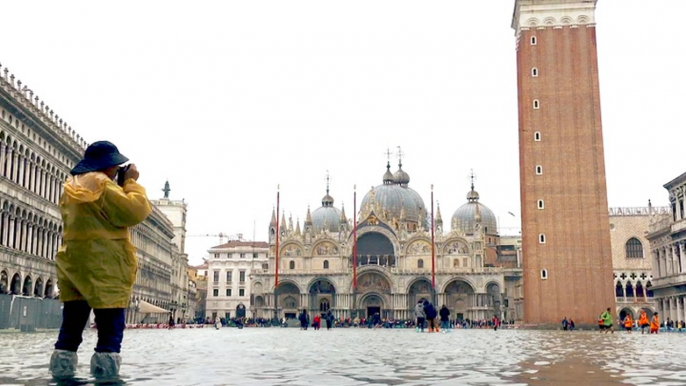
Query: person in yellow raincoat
96	265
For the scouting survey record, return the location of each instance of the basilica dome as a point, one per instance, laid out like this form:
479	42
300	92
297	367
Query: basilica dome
327	216
465	216
396	200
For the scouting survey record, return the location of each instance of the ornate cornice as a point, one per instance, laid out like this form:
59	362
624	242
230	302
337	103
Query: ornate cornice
530	14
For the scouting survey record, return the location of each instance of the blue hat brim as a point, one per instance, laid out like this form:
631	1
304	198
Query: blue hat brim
86	165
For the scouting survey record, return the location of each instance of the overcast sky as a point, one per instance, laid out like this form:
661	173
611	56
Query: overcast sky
228	99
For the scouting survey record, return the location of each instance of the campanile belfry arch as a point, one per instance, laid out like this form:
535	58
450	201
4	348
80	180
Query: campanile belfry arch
567	260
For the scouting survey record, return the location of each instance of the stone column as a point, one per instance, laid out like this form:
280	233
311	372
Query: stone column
15	161
2	158
680	247
20	179
672	308
679	309
10	239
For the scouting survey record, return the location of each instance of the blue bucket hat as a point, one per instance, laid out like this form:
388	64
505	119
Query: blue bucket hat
99	155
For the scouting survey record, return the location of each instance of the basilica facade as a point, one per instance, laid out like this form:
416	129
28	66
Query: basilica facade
394	252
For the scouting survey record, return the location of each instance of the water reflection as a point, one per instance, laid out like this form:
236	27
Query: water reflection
275	356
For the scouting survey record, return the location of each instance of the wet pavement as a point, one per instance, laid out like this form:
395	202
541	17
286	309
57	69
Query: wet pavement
342	357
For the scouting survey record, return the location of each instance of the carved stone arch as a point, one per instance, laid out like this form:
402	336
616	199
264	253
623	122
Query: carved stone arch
257	288
373	229
17	211
321	284
14	145
27	289
583	19
2	135
15	284
416	280
368	280
4	282
450	245
566	20
287	282
38	288
33	156
291	248
42	163
533	22
325	247
8	140
414	242
549	21
464	279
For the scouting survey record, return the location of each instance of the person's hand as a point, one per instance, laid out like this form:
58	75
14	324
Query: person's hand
131	172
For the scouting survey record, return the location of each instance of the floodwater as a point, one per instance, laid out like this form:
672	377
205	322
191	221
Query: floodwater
342	357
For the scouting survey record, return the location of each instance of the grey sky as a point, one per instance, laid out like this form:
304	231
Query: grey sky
229	99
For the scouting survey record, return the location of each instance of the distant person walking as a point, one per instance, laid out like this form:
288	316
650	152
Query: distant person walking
565	324
304	320
97	265
444	314
655	324
496	322
329	319
606	322
420	315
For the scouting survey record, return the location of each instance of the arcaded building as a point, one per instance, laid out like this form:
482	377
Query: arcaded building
394	259
667	248
631	258
567	258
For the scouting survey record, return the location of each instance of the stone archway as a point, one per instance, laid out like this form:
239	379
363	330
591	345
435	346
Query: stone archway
374	283
4	283
374	248
15	286
38	288
289	300
48	289
624	312
322	296
420	289
240	311
460	298
372	304
493	299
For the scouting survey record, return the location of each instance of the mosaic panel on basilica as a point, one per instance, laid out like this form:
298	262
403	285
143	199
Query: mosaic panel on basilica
394	260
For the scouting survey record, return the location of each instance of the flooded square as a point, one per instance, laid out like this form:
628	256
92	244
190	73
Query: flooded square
352	356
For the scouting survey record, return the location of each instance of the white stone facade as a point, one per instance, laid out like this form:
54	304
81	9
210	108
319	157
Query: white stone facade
668	245
176	211
37	151
393	257
229	269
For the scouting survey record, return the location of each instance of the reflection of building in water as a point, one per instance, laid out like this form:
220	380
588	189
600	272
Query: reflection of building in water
633	276
667	248
394	259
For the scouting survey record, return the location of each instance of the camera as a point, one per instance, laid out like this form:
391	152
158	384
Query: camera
121	173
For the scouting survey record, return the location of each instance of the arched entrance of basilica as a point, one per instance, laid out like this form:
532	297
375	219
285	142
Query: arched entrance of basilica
460	299
419	290
374	295
322	294
289	300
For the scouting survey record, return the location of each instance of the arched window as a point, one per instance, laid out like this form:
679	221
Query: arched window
619	290
537	136
324	305
541	238
537	104
533	41
291	265
544	274
634	248
326	264
534	72
649	292
420	263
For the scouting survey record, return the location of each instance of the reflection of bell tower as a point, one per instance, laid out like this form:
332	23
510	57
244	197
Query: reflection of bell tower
567	260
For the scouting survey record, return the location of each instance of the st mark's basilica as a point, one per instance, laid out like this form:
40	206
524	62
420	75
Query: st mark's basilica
393	258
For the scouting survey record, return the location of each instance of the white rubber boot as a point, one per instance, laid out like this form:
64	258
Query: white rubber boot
105	365
63	363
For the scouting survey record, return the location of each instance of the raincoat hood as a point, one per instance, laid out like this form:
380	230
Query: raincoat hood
84	188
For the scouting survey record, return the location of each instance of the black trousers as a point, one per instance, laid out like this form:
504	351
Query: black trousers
420	323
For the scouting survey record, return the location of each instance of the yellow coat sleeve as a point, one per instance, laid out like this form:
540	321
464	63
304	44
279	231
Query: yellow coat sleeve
127	206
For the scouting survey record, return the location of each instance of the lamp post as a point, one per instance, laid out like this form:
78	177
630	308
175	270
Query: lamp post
275	322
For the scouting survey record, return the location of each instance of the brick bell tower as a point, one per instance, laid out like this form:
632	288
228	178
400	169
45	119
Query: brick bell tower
567	259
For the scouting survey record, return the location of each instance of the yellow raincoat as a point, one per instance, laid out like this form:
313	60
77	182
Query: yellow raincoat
96	261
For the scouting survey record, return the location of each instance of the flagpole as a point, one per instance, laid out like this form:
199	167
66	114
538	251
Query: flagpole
354	251
276	262
433	248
